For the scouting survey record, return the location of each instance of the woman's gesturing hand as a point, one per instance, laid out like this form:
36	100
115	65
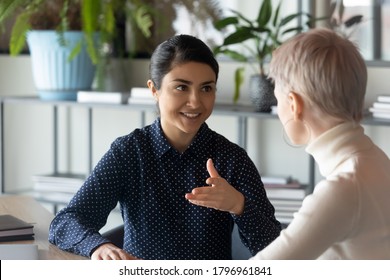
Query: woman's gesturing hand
219	194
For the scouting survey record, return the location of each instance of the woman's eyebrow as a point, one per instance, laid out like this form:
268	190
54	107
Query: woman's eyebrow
209	82
183	81
190	83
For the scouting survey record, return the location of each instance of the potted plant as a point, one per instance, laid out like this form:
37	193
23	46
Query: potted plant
338	23
259	37
199	14
77	33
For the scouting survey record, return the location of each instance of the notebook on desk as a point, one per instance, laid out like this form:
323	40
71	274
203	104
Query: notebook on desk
18	252
13	229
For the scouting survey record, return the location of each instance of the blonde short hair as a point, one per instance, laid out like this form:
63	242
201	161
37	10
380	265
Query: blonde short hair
325	68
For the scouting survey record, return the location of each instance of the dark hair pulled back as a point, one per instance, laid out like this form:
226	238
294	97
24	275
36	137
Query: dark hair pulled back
177	50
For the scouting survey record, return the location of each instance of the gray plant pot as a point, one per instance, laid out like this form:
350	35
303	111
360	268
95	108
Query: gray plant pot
261	91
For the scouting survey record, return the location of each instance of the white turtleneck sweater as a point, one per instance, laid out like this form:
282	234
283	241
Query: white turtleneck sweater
348	214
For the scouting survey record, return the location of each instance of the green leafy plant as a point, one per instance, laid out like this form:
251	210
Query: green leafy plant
344	27
259	37
198	14
89	16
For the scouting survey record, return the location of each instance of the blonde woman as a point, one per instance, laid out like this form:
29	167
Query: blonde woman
320	83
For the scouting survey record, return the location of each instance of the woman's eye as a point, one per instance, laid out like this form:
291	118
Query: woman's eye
181	87
207	88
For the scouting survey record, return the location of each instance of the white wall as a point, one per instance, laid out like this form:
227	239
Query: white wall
28	129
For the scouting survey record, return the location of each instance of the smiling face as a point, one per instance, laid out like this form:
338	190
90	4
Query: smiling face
186	99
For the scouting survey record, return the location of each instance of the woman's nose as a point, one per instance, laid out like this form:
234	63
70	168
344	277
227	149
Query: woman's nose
194	99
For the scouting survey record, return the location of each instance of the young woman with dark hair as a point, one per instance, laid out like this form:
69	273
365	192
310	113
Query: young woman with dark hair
180	185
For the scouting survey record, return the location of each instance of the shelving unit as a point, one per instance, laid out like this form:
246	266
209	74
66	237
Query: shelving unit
241	112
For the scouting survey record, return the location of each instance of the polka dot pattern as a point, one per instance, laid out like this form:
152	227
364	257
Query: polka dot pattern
149	179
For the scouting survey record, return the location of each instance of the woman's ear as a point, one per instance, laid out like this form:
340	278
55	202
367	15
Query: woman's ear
152	89
296	104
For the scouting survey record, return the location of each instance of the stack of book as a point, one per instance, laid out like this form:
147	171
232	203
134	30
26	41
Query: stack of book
59	187
14	229
102	97
140	95
286	195
381	108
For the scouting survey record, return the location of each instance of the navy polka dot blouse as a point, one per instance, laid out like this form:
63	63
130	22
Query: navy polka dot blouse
149	179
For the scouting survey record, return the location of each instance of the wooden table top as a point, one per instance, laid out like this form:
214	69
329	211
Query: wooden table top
29	210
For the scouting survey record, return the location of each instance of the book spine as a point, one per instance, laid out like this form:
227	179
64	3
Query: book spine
381	115
384	98
293	185
102	97
275	180
141	93
380	105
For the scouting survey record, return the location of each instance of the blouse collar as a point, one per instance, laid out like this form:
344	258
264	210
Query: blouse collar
200	140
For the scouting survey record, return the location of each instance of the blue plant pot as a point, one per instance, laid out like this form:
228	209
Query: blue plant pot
55	77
